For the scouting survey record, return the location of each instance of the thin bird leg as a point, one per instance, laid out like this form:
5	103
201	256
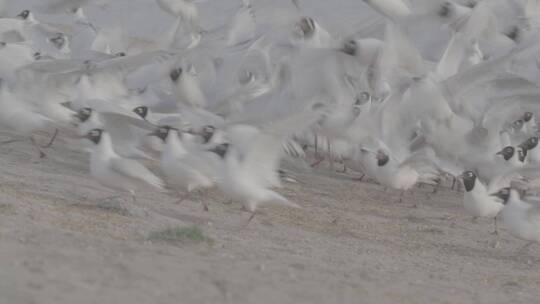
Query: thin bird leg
436	187
316	145
401	196
453	183
51	141
41	153
200	193
330	157
204	204
184	197
496	231
360	178
315	164
250	218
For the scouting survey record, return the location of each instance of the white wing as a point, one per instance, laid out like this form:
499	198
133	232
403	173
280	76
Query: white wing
135	170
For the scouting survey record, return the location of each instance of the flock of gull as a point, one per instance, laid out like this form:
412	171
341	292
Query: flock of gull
421	91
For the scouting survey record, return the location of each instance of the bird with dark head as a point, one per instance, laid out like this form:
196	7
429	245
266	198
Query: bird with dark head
469	180
514	33
59	40
306	26
382	158
527	116
445	10
162	132
94	135
530	143
350	47
220	150
207	133
84	114
141	111
507	152
503	194
24	14
175	74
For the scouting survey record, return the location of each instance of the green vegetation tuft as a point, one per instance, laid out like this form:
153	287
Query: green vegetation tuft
190	234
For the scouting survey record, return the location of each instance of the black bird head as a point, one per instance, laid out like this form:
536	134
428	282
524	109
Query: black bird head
175	74
382	158
307	26
445	10
162	132
507	152
503	194
350	47
514	33
59	40
522	154
84	114
527	116
220	150
94	135
207	133
530	143
142	111
469	180
24	14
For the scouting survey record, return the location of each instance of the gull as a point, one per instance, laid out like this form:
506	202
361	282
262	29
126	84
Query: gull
186	87
114	171
533	152
478	198
188	167
14	56
311	33
242	27
20	117
248	179
520	215
185	9
514	156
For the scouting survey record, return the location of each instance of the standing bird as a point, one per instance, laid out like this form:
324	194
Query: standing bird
186	87
477	199
191	170
116	172
521	217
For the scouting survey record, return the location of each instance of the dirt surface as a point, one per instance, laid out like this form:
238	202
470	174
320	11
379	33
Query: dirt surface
353	242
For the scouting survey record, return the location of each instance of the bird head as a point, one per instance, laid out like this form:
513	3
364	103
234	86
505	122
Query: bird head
94	135
469	180
162	132
141	111
503	194
83	114
507	152
175	74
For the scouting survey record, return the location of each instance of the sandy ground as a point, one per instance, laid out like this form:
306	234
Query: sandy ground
352	242
62	242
